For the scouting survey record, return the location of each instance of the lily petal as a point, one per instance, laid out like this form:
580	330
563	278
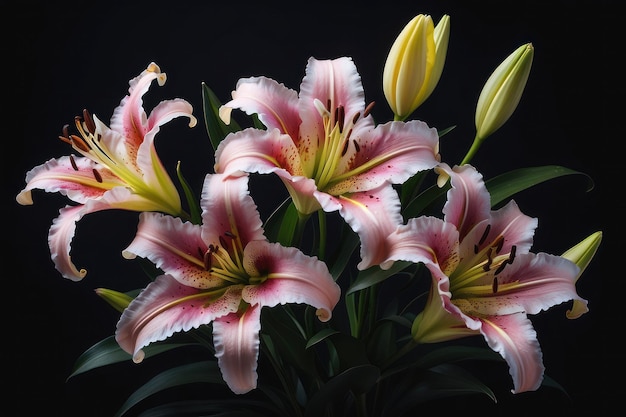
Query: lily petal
236	339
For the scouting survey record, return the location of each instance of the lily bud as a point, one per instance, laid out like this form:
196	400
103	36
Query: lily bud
581	255
415	63
501	95
117	300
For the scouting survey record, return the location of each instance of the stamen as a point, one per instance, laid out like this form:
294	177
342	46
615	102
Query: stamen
475	249
97	175
349	134
485	234
73	163
208	260
345	148
356	145
489	261
368	109
498	243
512	254
223	242
91	126
79	143
494	286
66	131
230	234
342	118
500	268
328	104
356	117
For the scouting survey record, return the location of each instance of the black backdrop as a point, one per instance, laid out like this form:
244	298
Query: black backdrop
61	57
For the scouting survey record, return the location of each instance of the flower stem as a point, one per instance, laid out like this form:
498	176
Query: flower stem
473	149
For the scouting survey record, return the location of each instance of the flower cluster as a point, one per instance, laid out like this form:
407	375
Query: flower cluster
460	245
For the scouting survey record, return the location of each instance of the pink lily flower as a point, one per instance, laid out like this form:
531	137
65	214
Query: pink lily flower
485	280
327	150
222	272
119	167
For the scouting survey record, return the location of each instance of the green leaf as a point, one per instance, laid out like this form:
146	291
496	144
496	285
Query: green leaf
204	372
505	185
356	380
192	201
374	275
273	224
216	128
319	336
107	352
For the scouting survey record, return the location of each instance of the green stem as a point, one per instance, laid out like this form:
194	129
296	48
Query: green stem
321	215
474	148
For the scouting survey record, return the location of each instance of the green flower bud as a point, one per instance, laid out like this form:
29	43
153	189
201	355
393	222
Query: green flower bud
116	299
581	255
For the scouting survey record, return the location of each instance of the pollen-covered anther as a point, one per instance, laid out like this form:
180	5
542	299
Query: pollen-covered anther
368	109
73	162
97	175
494	286
79	143
89	123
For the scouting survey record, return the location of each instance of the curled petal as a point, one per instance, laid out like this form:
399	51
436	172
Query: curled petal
236	340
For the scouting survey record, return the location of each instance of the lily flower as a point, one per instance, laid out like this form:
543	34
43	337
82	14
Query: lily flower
325	147
415	63
222	272
485	280
119	167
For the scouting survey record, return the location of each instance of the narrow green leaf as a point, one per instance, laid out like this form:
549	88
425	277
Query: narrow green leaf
107	352
319	336
216	128
357	380
273	224
192	201
203	372
374	275
505	185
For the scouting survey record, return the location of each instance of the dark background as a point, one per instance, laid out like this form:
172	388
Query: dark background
61	57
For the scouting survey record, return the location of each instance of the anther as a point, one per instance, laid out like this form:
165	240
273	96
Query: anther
489	261
499	243
328	103
485	234
207	260
96	175
223	242
512	254
345	147
342	118
79	143
494	286
500	268
73	163
349	134
230	234
356	145
91	126
356	117
368	109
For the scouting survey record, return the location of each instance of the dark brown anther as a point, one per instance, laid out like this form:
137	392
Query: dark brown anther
230	234
485	234
345	147
212	248
208	260
475	249
223	242
356	145
349	134
65	139
97	175
342	118
79	143
489	261
91	126
500	268
494	286
356	117
368	109
73	163
498	243
328	104
66	131
512	254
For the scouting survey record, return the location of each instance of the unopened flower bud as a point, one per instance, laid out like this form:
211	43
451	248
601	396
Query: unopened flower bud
117	300
581	255
415	63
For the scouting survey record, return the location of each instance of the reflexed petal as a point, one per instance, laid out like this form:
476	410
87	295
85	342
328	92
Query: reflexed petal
236	340
468	201
373	215
165	307
60	241
59	175
228	207
275	104
513	337
428	240
292	277
175	247
253	150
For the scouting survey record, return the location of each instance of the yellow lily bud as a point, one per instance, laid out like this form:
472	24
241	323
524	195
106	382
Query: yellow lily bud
415	63
118	300
501	95
581	255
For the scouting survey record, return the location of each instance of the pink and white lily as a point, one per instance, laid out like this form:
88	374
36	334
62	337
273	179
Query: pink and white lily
222	272
324	145
485	280
119	167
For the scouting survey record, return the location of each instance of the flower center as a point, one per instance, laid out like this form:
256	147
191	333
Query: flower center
486	264
224	260
337	133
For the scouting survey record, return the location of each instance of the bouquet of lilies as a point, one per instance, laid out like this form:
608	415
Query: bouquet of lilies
351	295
